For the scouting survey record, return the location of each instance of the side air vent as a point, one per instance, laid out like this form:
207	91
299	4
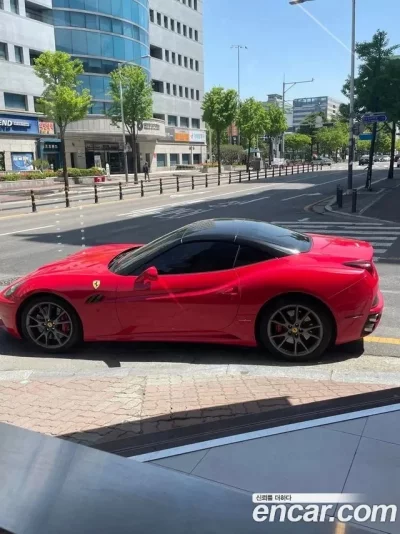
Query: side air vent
93	299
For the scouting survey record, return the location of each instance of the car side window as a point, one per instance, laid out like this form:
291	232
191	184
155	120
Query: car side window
249	255
195	257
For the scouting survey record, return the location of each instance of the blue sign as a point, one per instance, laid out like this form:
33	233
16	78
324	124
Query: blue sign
18	124
374	118
365	137
22	161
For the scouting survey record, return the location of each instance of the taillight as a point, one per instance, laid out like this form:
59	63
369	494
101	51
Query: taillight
361	264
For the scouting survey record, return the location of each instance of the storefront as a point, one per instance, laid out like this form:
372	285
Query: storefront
21	140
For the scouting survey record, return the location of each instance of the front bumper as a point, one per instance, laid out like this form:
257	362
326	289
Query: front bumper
8	316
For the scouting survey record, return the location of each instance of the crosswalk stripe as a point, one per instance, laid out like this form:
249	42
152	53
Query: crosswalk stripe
317	223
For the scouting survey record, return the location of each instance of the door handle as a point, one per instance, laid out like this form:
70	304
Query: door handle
231	291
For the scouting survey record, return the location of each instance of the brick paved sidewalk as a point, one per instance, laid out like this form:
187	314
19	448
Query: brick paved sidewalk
101	409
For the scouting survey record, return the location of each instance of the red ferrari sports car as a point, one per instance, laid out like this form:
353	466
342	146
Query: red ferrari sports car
228	281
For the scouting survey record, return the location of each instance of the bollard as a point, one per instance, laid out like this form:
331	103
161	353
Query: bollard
321	167
280	171
298	169
161	187
206	180
303	169
219	179
339	196
286	171
240	177
308	167
192	182
273	172
249	175
258	174
121	195
96	195
141	188
354	201
33	201
265	171
177	184
67	202
230	177
292	169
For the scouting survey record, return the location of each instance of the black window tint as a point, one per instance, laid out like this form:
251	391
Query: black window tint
196	257
249	255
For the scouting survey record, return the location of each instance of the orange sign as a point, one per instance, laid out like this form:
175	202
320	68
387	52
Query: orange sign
46	128
182	136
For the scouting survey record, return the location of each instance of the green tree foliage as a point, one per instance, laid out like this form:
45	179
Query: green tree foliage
390	97
297	143
219	112
276	125
253	121
309	128
231	154
332	139
137	98
61	100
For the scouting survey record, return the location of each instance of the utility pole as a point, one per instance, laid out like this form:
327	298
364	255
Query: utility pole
351	118
284	91
121	96
239	48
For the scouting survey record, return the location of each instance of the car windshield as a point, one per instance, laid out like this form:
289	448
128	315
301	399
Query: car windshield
121	261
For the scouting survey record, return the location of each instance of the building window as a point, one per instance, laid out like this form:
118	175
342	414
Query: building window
195	123
197	66
186	92
178	27
190	33
180	60
19	54
192	94
172	120
181	91
195	4
33	55
174	89
3	52
196	35
167	55
2	7
185	62
173	57
185	159
13	101
151	15
190	3
155	51
158	86
172	24
191	64
168	85
14	5
185	30
196	159
159	116
174	160
159	19
161	160
197	94
184	122
165	22
37	105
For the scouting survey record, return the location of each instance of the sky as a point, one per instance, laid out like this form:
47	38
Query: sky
283	40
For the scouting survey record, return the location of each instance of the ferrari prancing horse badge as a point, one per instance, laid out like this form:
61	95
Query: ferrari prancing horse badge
96	284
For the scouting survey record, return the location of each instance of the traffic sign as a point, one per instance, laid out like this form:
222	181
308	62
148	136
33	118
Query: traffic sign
365	137
375	117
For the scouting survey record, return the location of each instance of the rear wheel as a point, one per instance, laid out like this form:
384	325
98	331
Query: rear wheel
296	329
51	324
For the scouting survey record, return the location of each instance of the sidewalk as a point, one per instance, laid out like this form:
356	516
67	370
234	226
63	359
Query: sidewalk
380	203
99	409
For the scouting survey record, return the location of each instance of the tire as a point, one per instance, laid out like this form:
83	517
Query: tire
313	321
56	334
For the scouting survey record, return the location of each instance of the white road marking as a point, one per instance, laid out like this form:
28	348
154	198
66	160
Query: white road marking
303	220
303	195
14	232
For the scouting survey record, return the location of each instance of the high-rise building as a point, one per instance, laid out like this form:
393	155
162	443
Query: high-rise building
165	39
302	107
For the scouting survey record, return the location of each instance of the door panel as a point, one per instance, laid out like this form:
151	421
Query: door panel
178	304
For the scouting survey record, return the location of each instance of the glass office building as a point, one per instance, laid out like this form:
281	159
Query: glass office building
102	34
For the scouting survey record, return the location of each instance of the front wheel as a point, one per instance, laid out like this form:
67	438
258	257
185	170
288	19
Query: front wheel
51	324
295	330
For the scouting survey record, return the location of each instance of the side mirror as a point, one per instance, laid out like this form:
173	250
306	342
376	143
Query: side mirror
150	274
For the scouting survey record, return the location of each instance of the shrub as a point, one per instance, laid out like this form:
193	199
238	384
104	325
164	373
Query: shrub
76	173
42	164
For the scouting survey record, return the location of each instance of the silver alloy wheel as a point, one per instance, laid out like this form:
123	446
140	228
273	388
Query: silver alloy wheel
295	330
49	325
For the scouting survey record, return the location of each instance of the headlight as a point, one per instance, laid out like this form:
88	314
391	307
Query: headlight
9	291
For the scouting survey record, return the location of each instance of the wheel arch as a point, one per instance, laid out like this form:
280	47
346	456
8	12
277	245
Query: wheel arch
305	297
34	296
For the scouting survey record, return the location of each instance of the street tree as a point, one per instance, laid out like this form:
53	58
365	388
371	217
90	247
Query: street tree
253	121
370	83
297	142
391	103
331	139
219	112
308	127
231	154
276	125
62	100
137	100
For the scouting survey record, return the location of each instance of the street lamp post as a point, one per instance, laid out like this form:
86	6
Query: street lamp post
239	47
284	91
352	77
121	96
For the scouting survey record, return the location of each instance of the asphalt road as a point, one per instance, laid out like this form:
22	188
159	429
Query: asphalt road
30	240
